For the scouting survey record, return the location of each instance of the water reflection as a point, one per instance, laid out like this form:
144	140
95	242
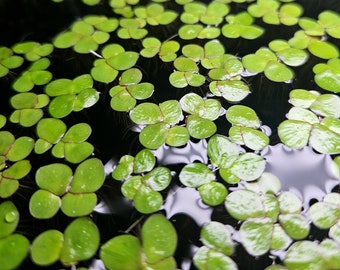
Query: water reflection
302	171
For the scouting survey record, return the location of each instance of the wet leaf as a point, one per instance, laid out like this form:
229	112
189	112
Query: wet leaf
215	235
9	218
212	259
81	241
200	128
295	225
256	234
146	200
122	252
294	134
44	204
76	205
244	204
54	178
154	136
195	175
159	238
158	179
46	247
248	166
222	151
213	193
304	255
13	250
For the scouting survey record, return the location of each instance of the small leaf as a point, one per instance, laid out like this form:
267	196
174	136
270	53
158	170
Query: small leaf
195	175
200	128
144	161
213	193
9	218
154	136
295	225
158	179
243	116
147	200
248	166
44	204
76	205
244	204
294	134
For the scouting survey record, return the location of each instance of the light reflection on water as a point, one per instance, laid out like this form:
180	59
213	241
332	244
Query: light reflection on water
302	171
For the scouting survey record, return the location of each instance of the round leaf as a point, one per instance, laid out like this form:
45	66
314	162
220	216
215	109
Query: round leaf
9	218
81	241
13	250
248	166
147	200
195	175
122	252
76	205
158	179
159	238
46	247
44	204
213	193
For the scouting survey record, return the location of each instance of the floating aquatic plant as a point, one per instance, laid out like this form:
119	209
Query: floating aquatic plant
8	61
183	78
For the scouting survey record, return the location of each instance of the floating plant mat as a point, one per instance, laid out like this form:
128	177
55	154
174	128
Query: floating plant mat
170	135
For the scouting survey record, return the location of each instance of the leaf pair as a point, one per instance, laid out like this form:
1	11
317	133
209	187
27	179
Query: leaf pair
13	247
217	248
60	188
13	150
79	242
233	166
313	120
70	144
198	175
115	59
125	95
154	250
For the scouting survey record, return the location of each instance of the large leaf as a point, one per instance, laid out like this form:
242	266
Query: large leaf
159	238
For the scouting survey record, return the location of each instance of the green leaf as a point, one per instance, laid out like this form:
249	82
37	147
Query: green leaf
327	105
171	111
221	151
289	203
44	204
46	247
255	234
88	177
195	175
13	251
144	161
304	255
295	225
147	200
200	128
158	179
278	72
325	137
76	205
324	215
131	186
81	241
103	72
177	136
213	193
146	113
9	218
280	239
8	187
253	139
20	149
122	252
232	91
215	235
294	134
159	238
121	101
18	170
243	116
303	115
61	106
248	166
153	136
209	258
190	31
244	204
323	49
54	178
302	98
123	61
